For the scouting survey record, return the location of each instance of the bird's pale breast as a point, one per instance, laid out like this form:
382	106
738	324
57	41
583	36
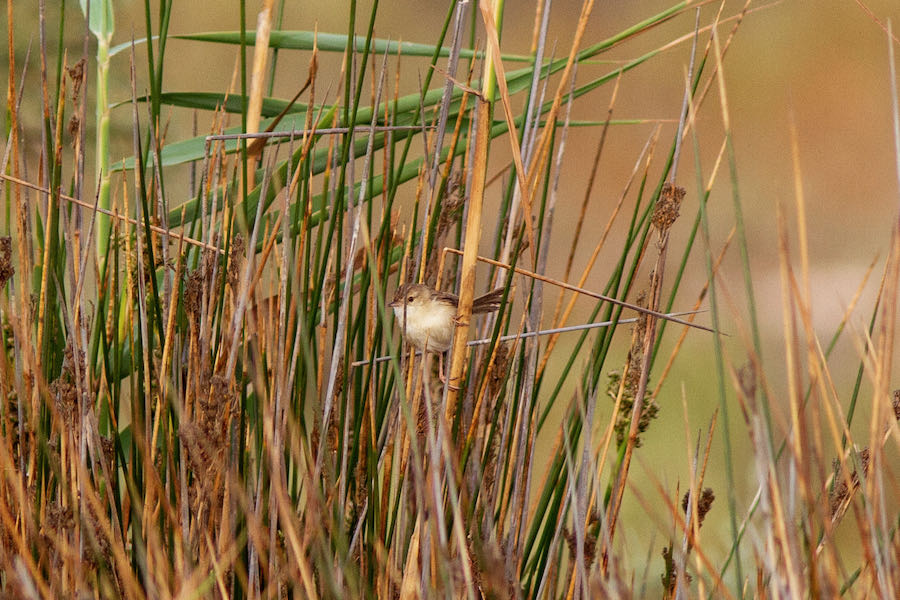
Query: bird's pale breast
432	326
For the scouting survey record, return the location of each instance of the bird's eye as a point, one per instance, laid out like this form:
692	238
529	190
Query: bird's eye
410	299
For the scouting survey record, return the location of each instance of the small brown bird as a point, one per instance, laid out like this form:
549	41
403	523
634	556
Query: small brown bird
427	317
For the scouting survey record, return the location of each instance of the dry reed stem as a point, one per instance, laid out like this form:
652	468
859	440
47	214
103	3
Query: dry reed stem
52	199
820	374
786	540
645	156
305	543
543	144
692	539
493	45
472	235
167	351
175	236
665	213
488	368
877	21
589	293
681	524
257	73
579	223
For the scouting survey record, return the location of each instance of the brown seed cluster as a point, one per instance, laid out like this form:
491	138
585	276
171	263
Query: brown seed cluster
704	503
843	489
6	268
65	390
450	208
236	261
650	409
76	74
498	373
669	577
590	540
198	280
667	207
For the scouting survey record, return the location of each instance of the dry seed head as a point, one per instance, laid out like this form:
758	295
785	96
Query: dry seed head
72	128
632	383
669	578
707	496
107	450
501	360
666	211
842	490
197	281
450	206
76	74
361	489
6	268
66	396
451	212
235	261
490	467
58	518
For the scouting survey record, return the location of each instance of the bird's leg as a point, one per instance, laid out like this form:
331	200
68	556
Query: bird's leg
441	375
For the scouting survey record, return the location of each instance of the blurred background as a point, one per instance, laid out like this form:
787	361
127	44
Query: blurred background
819	69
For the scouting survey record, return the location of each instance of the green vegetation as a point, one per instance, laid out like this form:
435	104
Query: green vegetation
205	395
